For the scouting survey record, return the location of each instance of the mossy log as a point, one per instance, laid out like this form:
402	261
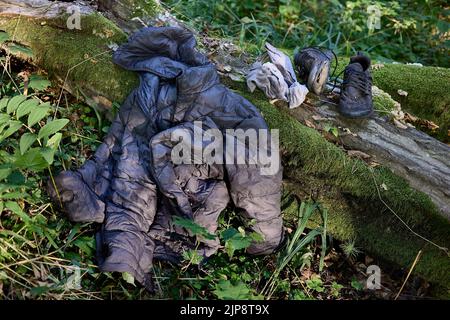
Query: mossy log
364	202
422	160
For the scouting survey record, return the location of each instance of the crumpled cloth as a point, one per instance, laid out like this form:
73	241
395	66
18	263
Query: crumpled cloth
132	186
277	78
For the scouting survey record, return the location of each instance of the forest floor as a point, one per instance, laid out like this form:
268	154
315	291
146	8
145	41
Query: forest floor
40	249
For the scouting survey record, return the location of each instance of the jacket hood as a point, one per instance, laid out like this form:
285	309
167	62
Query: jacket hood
197	79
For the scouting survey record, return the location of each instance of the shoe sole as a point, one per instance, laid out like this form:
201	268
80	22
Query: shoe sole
357	115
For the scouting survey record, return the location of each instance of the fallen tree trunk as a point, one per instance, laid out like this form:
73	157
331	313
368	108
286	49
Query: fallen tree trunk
364	202
422	160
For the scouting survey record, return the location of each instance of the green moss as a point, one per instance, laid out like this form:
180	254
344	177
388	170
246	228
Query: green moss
382	101
428	91
144	8
347	188
84	52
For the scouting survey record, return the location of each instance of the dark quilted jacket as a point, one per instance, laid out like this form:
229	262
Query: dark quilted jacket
133	189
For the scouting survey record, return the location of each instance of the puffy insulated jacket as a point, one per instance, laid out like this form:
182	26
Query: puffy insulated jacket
133	188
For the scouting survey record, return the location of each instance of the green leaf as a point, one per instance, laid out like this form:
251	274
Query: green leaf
13	127
14	195
38	83
38	114
26	142
5	170
193	227
336	288
234	240
192	256
86	244
335	131
4	118
31	160
357	285
48	154
22	51
4	102
128	278
26	107
54	141
16	178
14	103
4	36
15	208
38	291
52	127
225	290
315	284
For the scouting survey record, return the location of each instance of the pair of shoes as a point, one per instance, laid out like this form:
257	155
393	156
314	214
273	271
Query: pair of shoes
313	66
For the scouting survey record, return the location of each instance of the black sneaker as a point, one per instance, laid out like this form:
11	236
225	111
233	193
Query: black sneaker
313	66
356	91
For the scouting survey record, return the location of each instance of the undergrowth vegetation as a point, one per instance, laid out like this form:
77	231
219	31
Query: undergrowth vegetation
408	31
43	255
43	130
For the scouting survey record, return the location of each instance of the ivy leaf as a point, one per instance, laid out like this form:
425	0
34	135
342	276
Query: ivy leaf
335	131
26	142
38	114
38	83
193	228
52	127
14	103
26	107
15	178
38	291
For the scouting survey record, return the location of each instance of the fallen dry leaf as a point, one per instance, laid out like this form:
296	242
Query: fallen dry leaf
377	66
309	124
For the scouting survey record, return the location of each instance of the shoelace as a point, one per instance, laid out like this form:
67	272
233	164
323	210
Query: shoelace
357	79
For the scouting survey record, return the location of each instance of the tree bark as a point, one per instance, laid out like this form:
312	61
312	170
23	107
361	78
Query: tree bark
422	160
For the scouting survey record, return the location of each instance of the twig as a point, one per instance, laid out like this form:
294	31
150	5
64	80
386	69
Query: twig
70	70
419	254
10	76
403	222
